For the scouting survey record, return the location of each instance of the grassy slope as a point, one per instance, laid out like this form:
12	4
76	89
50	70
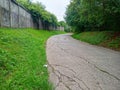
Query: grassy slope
22	56
107	39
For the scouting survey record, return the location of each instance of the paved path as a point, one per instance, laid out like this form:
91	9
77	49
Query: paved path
74	65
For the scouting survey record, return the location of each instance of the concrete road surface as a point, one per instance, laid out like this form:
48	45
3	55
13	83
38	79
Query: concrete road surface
75	65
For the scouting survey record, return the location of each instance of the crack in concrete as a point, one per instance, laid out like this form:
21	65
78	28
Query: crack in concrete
82	82
83	58
64	67
100	68
107	73
60	78
67	76
70	79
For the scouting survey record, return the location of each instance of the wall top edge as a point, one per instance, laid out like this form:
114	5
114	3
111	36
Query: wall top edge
14	1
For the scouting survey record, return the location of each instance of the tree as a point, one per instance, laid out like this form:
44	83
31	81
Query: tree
84	15
61	23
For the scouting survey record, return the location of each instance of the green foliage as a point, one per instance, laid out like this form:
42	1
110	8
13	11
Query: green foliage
61	23
91	37
64	24
38	11
109	39
88	15
22	56
115	43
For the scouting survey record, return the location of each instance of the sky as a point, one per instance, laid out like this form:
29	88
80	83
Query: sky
57	7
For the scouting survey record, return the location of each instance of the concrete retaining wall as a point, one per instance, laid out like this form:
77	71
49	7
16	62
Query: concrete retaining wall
16	16
13	15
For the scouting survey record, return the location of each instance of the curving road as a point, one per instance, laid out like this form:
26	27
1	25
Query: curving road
75	65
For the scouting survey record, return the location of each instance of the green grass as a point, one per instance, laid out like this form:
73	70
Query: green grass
22	56
107	39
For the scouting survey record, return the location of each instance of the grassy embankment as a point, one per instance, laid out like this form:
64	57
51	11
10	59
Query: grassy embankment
107	39
22	56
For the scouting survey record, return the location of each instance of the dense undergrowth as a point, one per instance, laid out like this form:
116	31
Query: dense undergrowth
22	56
109	39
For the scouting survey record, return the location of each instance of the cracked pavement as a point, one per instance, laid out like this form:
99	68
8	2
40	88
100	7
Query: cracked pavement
75	65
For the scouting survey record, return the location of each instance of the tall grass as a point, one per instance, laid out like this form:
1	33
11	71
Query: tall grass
109	39
22	56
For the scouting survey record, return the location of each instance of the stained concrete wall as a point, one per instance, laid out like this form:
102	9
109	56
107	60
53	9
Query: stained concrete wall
40	24
14	15
4	13
60	28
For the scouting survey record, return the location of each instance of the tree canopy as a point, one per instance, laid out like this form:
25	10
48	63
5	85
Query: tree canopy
84	15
